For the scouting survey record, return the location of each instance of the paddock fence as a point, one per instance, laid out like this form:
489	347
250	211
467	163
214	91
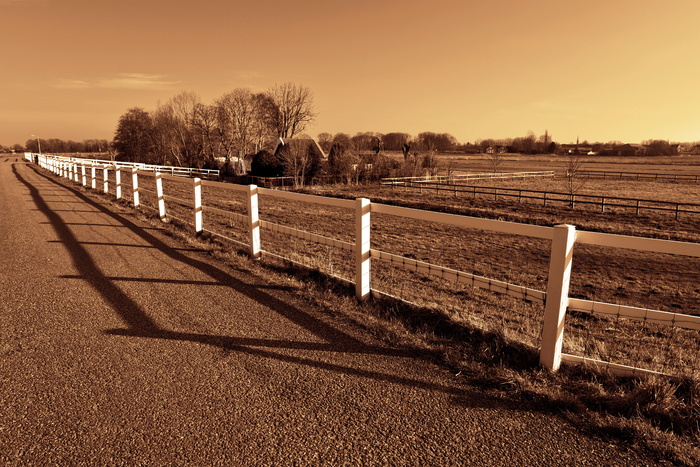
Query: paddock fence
450	179
623	337
166	169
640	176
545	198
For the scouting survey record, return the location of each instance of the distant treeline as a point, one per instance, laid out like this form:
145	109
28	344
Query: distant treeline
440	142
55	146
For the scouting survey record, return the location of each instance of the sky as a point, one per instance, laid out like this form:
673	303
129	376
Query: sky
598	70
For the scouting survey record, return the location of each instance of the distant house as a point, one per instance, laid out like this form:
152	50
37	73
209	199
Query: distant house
496	150
308	144
240	165
627	150
576	150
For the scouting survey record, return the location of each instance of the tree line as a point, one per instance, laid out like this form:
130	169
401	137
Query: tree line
55	145
187	132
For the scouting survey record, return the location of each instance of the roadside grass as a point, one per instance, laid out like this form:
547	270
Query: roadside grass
489	340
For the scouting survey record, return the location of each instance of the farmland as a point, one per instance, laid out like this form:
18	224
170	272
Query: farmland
479	331
654	281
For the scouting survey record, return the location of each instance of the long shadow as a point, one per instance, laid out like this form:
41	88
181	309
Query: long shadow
141	325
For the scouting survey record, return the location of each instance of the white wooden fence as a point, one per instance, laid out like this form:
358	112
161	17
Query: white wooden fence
555	299
165	169
468	177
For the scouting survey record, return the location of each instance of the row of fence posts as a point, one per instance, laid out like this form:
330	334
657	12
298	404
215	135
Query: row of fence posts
557	294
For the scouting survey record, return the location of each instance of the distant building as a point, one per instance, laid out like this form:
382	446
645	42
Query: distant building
627	150
309	144
240	165
576	149
496	150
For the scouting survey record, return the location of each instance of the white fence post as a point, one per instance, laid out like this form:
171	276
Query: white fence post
362	248
77	174
135	185
93	177
105	179
118	182
198	221
253	221
159	194
557	295
83	172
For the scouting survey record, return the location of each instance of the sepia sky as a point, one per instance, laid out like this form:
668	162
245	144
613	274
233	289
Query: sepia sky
600	70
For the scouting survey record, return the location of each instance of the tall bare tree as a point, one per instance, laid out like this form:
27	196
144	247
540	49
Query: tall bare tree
205	124
175	130
264	123
235	115
295	104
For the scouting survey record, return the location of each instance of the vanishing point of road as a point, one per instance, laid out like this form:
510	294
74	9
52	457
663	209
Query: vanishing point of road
120	346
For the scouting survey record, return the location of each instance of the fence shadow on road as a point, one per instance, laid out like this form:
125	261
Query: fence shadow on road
139	324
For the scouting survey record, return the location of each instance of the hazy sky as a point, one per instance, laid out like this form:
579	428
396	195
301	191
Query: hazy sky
600	69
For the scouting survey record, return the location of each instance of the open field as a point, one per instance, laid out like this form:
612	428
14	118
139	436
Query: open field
639	279
685	164
474	327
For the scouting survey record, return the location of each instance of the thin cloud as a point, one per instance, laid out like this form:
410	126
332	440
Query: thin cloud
140	81
136	81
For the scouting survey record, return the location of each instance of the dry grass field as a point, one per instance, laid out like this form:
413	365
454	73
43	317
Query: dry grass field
492	338
625	277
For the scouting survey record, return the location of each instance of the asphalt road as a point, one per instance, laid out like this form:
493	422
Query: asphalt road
120	347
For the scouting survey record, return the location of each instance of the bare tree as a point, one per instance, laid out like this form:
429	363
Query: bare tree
235	117
573	178
295	106
342	162
176	131
495	160
265	117
205	123
246	124
296	160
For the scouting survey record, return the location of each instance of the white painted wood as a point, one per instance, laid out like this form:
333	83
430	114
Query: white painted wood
160	196
253	221
362	248
118	182
225	186
527	230
83	172
198	220
337	202
638	243
615	368
93	177
135	185
474	280
306	235
105	179
557	295
638	314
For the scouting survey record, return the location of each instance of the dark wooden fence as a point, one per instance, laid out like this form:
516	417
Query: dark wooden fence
551	198
605	175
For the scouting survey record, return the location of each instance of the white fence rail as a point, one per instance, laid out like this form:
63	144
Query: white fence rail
99	163
555	299
469	177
